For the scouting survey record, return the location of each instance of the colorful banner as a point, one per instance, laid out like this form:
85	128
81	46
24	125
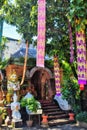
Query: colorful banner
57	76
41	33
81	56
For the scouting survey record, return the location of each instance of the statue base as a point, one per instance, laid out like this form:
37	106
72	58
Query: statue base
17	123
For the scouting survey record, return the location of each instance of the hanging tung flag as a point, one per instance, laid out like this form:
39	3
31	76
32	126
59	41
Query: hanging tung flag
81	57
71	43
57	76
41	33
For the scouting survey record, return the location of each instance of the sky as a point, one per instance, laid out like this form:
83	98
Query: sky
10	31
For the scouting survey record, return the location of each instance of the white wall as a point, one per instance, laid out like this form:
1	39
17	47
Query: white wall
12	46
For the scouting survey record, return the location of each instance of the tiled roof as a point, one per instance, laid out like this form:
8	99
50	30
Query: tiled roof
21	53
31	53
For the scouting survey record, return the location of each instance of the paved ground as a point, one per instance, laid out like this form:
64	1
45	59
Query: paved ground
59	127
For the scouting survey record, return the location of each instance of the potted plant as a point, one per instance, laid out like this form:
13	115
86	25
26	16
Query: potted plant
81	119
32	105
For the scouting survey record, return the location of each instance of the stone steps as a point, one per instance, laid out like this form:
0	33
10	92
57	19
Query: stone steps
55	113
58	122
56	116
50	107
50	110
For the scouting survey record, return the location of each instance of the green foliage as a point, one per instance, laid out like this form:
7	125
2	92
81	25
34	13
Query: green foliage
20	61
24	16
2	3
23	102
30	62
71	93
70	88
82	116
3	62
31	103
20	14
77	9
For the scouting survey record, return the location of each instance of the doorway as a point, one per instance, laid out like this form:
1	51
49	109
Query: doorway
41	81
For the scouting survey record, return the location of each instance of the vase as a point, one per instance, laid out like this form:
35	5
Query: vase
71	116
44	119
29	123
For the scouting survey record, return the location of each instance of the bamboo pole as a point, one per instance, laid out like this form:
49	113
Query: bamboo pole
25	64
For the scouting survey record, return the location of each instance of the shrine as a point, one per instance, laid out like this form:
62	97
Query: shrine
43	74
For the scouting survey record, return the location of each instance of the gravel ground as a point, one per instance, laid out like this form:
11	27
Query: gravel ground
59	127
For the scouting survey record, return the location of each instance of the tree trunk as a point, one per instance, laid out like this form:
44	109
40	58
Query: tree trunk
25	64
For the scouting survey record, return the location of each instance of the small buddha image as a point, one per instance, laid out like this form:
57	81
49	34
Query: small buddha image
15	107
13	83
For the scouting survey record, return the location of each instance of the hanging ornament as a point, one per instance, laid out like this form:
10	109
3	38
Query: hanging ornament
71	43
81	57
41	33
57	76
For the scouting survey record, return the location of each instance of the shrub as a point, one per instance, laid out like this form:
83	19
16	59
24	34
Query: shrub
82	116
31	103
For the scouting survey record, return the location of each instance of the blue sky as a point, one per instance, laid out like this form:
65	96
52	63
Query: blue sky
10	31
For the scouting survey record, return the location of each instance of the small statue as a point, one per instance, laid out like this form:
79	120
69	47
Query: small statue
15	107
13	83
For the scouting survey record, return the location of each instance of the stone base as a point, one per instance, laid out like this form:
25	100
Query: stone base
82	124
44	125
17	124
